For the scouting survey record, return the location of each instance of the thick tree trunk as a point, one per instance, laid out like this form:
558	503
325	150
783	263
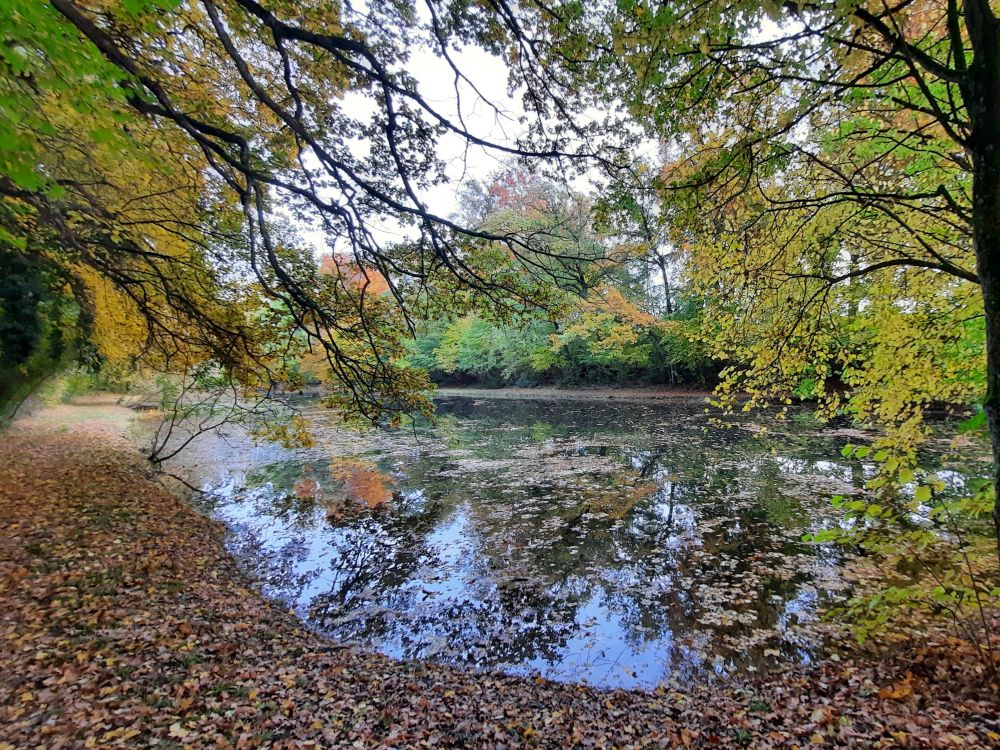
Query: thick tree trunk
982	100
987	238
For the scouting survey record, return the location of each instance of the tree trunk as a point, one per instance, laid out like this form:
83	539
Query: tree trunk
983	104
662	263
986	219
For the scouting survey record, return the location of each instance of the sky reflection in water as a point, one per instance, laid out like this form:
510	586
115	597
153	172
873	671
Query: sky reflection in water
625	544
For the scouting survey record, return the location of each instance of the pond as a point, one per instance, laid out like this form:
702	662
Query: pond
625	544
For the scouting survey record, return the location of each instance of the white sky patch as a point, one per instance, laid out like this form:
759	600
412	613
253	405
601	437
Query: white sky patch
481	105
485	108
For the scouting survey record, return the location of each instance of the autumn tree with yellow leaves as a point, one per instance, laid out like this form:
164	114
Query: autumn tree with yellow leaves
832	178
156	155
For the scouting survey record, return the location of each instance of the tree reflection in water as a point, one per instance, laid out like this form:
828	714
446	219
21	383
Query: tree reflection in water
624	544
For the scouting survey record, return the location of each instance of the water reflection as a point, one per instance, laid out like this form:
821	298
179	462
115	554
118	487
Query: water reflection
623	544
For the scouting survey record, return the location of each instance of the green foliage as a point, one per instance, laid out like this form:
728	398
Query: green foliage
604	321
67	384
471	347
37	324
589	344
931	544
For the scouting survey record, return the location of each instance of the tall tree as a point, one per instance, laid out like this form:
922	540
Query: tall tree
555	224
861	137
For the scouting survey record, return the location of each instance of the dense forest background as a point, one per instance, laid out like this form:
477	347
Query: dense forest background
618	313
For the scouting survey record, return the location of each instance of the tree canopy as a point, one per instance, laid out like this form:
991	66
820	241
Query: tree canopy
821	219
155	152
831	174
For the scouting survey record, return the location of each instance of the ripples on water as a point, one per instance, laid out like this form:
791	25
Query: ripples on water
625	544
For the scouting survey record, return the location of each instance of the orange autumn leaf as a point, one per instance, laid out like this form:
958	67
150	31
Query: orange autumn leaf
898	690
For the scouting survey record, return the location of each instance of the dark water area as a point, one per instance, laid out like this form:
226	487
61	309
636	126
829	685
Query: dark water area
624	544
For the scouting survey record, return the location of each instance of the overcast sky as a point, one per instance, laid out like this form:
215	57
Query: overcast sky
486	111
464	161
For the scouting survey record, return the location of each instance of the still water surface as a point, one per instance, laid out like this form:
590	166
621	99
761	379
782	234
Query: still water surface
625	544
